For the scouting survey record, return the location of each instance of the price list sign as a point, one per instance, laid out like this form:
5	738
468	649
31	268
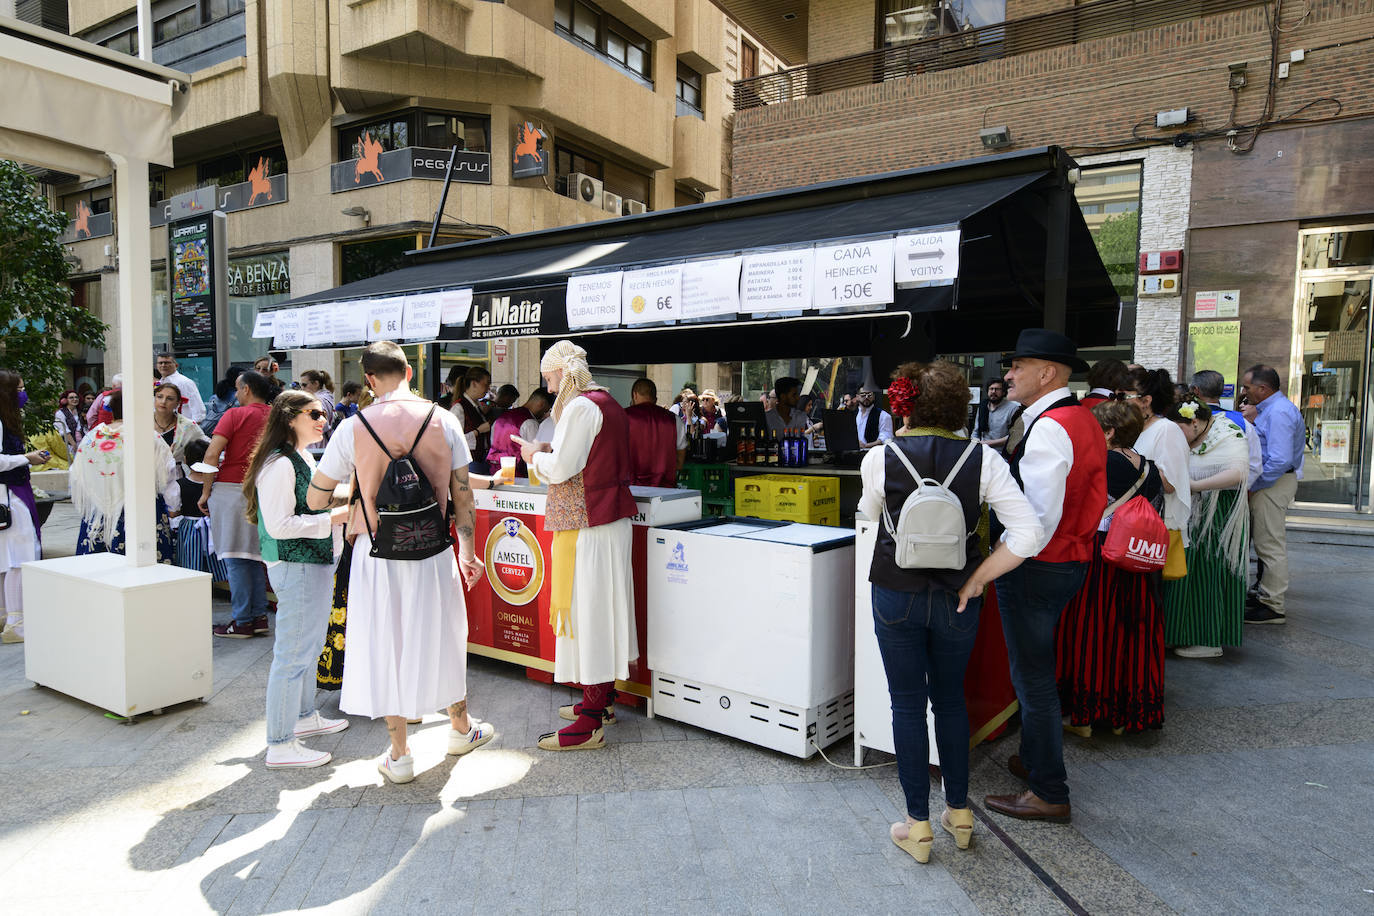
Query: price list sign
776	281
853	274
384	318
710	289
650	296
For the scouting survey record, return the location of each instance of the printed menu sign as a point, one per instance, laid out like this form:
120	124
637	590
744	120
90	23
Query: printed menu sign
594	301
650	296
776	281
710	289
856	273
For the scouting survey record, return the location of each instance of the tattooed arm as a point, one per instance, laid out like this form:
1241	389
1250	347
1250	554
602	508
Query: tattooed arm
465	523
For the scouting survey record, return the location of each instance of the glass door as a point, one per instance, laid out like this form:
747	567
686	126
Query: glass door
1333	300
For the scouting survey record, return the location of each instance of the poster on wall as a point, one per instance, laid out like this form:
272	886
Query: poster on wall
1335	442
1214	345
1205	304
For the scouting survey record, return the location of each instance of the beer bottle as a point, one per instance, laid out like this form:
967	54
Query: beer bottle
752	443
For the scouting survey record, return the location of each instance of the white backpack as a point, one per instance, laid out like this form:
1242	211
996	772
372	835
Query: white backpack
930	532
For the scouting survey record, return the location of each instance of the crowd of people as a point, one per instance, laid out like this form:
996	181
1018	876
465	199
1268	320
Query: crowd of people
1086	632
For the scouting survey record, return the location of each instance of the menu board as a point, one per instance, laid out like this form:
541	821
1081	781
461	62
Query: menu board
594	301
710	289
776	281
288	330
317	326
384	317
348	322
421	317
853	274
650	296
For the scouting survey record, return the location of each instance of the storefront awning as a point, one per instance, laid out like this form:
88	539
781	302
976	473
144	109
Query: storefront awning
950	258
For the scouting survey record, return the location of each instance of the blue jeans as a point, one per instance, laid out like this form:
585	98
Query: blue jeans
247	589
1031	598
925	644
305	592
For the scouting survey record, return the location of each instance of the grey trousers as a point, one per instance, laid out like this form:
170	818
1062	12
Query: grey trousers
1268	513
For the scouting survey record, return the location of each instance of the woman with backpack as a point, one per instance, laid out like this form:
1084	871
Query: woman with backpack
926	619
1110	655
298	548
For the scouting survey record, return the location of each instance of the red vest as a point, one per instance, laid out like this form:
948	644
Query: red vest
507	425
1085	490
1092	400
600	493
653	458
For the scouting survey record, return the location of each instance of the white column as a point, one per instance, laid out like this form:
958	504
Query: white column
136	358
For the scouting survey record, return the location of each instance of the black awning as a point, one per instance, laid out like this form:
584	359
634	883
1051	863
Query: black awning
1001	205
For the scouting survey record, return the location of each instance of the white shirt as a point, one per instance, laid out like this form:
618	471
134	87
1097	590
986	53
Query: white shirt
546	429
797	424
456	411
1164	444
340	456
884	424
996	487
572	442
276	483
1045	464
195	405
681	432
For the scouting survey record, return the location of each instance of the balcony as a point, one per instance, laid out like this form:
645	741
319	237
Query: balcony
87	225
1069	26
697	153
698	36
213	43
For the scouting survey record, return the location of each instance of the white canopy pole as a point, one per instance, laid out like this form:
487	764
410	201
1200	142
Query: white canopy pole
136	358
145	30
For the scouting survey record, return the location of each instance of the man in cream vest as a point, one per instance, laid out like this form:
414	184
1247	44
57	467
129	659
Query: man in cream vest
587	467
407	621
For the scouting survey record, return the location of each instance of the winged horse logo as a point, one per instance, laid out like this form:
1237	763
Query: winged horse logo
369	161
528	144
257	178
83	220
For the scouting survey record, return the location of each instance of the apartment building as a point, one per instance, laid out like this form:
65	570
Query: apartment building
323	129
1237	133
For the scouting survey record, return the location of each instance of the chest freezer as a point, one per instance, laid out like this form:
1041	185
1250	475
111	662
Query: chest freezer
751	630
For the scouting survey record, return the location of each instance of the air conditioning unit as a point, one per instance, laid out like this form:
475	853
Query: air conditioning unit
611	202
584	188
635	206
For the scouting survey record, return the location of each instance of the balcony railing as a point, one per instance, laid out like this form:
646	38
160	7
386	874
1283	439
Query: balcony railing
1069	26
213	43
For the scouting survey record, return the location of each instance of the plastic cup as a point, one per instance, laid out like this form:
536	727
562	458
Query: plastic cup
508	469
534	478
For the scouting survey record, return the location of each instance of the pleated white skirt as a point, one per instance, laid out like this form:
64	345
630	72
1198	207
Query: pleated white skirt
603	609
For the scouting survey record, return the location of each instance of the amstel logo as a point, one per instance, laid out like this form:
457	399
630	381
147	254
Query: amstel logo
637	303
515	562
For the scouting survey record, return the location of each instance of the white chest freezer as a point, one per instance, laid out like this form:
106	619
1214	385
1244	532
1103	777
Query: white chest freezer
751	630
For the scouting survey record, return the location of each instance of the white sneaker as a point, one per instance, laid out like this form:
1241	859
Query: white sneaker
478	734
316	724
295	754
402	770
1198	651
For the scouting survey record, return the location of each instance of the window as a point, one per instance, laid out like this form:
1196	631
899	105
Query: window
616	178
445	131
688	86
605	34
566	161
125	42
218	9
902	21
392	132
748	60
437	129
233	168
178	23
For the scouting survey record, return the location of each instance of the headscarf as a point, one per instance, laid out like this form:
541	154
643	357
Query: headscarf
577	375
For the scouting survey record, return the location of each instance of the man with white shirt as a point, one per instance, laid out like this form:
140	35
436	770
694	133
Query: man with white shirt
786	418
167	370
874	425
1061	464
995	415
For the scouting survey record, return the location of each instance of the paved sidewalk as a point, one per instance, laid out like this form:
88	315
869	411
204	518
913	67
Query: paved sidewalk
1253	798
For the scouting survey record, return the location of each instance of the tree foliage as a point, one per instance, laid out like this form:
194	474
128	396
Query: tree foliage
1118	244
36	309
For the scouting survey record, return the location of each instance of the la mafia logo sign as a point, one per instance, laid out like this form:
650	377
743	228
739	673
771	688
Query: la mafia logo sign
504	315
515	562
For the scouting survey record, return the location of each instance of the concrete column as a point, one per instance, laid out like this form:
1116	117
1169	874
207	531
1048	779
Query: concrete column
108	311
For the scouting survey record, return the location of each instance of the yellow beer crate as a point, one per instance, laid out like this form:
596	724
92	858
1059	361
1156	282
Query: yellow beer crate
810	500
754	495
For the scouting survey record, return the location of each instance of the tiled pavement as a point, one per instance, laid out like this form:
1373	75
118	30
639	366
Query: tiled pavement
1254	798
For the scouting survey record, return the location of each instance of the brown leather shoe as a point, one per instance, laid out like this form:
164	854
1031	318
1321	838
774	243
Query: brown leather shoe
1017	768
1028	807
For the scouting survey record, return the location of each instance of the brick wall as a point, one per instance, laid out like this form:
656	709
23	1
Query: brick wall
838	28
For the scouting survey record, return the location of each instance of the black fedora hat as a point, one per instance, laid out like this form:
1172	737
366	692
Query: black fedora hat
1040	343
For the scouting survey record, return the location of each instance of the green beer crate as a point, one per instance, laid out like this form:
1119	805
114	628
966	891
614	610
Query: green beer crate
713	480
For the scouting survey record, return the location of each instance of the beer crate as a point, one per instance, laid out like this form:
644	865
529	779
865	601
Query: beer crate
712	480
716	508
754	495
810	500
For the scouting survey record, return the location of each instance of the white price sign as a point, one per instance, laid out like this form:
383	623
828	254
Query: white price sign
776	281
857	273
650	296
384	317
286	330
421	318
455	306
710	289
348	322
927	257
594	301
318	330
262	325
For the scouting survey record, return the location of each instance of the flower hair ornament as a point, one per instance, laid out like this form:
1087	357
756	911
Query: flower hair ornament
900	394
1187	410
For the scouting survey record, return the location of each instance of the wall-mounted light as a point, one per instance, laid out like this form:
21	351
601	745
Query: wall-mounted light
995	137
363	212
1237	77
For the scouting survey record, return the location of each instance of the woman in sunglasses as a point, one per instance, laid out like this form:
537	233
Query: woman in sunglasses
298	548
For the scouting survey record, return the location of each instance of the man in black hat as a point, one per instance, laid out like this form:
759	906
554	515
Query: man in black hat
1061	464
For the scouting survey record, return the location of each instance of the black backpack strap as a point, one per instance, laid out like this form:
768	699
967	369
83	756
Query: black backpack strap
375	438
423	426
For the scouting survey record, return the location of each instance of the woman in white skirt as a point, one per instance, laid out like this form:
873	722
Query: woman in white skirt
19	540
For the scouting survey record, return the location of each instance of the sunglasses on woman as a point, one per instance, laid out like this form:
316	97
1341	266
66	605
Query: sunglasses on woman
1122	396
315	414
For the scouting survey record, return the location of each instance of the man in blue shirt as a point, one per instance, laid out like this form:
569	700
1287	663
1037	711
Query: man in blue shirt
1282	438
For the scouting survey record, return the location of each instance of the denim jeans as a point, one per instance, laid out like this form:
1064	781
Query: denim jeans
925	644
304	594
1031	598
247	589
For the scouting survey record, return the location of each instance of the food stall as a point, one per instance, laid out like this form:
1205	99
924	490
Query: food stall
952	258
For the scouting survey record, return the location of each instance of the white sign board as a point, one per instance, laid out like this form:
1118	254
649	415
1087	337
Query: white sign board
1205	304
1228	303
594	301
286	330
262	325
349	322
710	289
775	281
384	317
317	326
855	273
927	257
650	296
421	317
455	306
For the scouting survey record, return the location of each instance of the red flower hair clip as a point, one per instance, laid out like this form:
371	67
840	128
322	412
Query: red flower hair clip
900	394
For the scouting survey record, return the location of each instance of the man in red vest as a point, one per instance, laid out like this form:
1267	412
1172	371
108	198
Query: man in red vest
1061	464
519	421
658	438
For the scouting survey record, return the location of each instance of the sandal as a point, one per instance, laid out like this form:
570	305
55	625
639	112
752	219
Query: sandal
917	840
958	823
